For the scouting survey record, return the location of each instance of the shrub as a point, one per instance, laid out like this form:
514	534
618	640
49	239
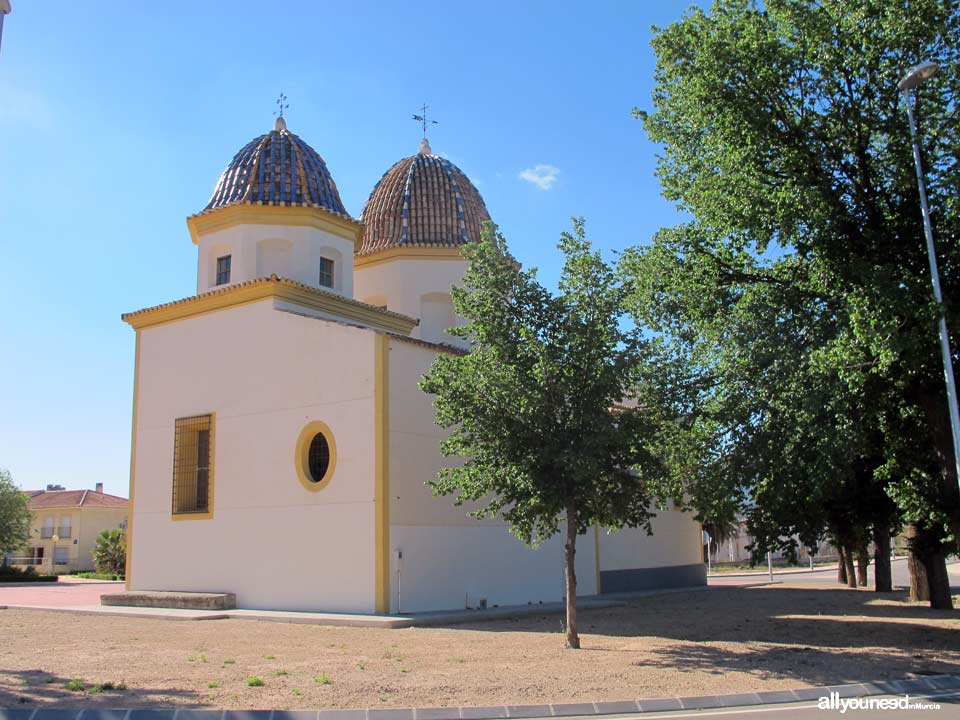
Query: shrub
110	554
255	682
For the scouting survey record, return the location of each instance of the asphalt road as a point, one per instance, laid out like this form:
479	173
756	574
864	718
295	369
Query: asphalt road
901	576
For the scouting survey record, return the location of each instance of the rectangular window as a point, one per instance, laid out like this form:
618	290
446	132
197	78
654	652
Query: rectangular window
61	556
326	272
223	270
192	464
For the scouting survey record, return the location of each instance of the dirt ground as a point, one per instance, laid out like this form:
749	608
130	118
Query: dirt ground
723	640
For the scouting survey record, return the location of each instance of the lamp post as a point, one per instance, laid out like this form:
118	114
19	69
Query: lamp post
915	77
53	555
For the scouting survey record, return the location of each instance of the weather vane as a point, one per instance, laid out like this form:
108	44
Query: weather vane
422	119
282	105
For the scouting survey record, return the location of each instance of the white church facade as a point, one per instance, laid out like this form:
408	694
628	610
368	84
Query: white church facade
281	446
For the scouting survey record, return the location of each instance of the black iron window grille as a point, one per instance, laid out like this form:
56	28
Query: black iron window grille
192	464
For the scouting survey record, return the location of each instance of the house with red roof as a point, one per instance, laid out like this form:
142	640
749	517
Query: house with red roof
65	525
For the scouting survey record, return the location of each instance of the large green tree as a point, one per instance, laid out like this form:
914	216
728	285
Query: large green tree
784	138
14	516
543	407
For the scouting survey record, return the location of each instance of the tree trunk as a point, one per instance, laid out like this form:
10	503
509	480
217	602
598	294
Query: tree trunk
882	571
919	588
938	582
573	637
849	567
841	567
863	562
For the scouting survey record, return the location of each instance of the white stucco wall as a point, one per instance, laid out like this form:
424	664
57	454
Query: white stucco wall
675	541
450	560
413	287
266	374
288	251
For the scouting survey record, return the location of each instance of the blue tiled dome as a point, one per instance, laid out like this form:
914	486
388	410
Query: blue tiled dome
277	169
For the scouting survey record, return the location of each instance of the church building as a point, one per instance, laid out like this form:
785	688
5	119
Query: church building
281	446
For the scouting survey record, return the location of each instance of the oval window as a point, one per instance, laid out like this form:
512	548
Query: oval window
318	458
316	455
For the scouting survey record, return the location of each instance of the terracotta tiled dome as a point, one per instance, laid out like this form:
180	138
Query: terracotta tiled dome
422	201
277	169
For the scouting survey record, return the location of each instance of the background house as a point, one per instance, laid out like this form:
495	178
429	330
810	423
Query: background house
65	525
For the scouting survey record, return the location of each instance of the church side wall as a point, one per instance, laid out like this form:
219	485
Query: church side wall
671	557
441	558
265	374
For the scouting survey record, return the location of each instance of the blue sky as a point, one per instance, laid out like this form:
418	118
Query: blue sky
116	118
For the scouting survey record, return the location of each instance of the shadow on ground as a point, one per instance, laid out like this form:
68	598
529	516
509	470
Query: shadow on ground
44	688
816	635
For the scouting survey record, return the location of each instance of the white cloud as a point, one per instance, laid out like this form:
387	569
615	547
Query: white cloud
543	176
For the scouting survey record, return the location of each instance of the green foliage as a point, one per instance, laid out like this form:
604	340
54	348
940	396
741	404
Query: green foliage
323	679
110	552
27	574
254	681
550	410
75	686
14	516
531	406
795	305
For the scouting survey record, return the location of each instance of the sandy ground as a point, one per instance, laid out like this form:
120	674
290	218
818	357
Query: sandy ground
723	640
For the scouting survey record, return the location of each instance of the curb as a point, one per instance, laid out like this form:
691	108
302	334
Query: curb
931	684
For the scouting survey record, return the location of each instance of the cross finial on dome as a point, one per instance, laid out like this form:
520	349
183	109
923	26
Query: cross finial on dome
422	119
282	105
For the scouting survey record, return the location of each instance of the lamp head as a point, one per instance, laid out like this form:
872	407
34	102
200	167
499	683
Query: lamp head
917	75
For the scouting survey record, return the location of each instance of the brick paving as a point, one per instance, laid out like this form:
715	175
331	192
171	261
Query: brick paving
58	594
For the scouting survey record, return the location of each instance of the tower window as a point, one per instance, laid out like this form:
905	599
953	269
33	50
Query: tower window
192	465
326	272
223	270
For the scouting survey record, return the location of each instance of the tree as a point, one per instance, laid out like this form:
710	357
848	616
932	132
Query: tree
110	552
784	139
539	408
14	516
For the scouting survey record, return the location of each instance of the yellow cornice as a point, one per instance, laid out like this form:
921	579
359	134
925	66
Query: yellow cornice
249	214
278	288
415	252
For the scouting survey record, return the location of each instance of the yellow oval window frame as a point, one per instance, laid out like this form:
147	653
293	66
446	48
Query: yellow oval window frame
302	458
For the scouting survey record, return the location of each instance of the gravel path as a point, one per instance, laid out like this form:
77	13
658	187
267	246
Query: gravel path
724	640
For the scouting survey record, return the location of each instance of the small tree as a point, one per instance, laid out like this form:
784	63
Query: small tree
537	405
14	516
110	553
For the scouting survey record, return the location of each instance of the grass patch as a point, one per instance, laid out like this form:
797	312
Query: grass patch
254	681
229	661
323	679
75	686
281	673
269	657
298	693
213	685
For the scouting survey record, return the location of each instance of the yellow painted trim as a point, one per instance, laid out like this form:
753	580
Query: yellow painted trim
133	464
211	490
596	551
277	289
301	457
242	214
381	500
407	253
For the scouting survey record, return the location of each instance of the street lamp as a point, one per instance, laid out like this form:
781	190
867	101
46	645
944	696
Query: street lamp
915	77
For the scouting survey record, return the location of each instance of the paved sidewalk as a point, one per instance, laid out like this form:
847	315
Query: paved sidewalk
939	685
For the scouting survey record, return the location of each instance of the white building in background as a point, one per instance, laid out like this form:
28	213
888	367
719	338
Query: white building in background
281	446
